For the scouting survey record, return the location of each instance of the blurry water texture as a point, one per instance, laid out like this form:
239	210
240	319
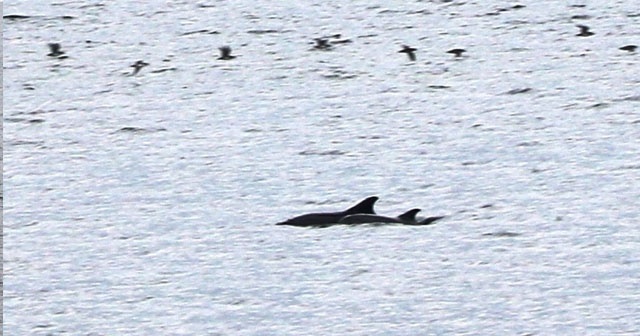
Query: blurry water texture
144	204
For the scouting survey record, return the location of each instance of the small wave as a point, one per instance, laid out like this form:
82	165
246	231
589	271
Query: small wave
330	152
131	129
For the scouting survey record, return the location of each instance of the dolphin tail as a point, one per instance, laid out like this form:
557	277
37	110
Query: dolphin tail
364	207
409	216
429	220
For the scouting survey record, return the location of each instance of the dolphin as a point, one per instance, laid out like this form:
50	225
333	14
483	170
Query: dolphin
407	218
325	218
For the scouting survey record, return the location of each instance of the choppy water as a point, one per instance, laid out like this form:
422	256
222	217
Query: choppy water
144	205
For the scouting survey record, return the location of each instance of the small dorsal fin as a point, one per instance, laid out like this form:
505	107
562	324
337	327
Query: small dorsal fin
364	207
409	216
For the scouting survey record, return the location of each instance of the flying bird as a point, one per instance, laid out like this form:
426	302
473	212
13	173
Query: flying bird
55	50
225	53
629	48
456	52
321	44
137	66
584	31
409	51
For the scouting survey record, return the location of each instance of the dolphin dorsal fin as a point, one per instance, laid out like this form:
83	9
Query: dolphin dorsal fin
364	207
409	216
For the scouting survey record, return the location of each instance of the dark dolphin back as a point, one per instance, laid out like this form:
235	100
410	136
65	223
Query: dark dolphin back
409	216
364	207
323	218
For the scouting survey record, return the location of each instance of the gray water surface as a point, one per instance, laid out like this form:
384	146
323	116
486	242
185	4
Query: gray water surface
146	204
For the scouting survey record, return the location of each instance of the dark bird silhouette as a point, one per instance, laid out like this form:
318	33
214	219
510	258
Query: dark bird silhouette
321	44
225	53
409	51
584	31
137	66
55	50
327	42
456	52
629	48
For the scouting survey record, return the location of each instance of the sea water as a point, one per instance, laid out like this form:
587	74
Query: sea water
146	204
